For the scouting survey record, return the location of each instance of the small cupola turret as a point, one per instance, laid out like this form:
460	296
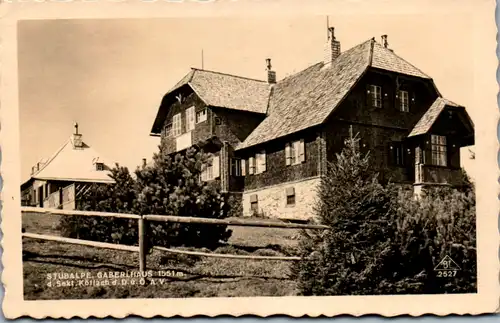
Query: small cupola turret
77	138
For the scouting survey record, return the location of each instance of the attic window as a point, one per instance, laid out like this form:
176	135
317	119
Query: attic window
99	166
201	116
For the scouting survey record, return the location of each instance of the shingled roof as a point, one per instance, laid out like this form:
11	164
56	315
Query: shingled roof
70	164
297	102
221	90
425	123
305	99
385	59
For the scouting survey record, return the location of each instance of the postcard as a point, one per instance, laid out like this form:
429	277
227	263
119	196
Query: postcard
166	158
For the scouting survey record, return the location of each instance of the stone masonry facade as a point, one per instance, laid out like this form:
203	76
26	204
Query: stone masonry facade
272	201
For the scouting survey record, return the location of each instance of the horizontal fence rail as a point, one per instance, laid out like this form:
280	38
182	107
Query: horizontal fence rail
233	222
29	209
142	220
223	255
81	242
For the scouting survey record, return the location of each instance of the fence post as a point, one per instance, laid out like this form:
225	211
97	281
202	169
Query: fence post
142	244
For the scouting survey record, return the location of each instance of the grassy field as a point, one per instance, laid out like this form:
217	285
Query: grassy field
193	276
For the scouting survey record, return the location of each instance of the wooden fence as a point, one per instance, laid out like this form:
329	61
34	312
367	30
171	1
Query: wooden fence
143	219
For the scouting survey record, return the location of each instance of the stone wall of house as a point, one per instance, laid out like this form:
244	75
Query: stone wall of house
272	200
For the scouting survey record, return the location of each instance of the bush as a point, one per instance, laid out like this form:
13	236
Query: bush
381	239
170	186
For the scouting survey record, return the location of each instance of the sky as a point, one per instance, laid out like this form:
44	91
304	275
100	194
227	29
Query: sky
109	75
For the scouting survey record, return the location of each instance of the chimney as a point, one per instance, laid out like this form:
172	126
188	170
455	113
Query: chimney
271	75
77	138
144	162
384	41
332	47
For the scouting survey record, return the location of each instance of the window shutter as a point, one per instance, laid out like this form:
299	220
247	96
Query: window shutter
368	96
302	151
251	166
391	153
243	167
288	153
396	100
411	100
385	99
263	161
216	166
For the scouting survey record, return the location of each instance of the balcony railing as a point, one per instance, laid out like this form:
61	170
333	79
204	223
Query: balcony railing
431	174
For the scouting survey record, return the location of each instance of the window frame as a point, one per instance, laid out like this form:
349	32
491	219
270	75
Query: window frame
236	168
99	167
439	151
404	105
168	130
290	197
397	154
207	171
295	152
203	113
177	125
376	100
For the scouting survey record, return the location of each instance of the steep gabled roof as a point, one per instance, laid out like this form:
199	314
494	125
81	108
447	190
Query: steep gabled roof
385	59
70	164
307	98
430	116
297	102
221	90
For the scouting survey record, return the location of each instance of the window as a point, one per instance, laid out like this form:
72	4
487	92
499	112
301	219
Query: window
254	203
99	166
375	96
211	169
236	168
168	130
295	152
251	165
176	125
397	153
190	121
438	149
207	171
261	162
290	196
201	116
404	101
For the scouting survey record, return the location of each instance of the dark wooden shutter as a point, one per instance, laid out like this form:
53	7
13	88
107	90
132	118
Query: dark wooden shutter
412	100
453	153
368	96
396	101
386	99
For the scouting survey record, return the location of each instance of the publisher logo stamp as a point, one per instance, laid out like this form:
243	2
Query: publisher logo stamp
447	267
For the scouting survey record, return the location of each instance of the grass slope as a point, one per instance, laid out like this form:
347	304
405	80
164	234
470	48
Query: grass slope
194	276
